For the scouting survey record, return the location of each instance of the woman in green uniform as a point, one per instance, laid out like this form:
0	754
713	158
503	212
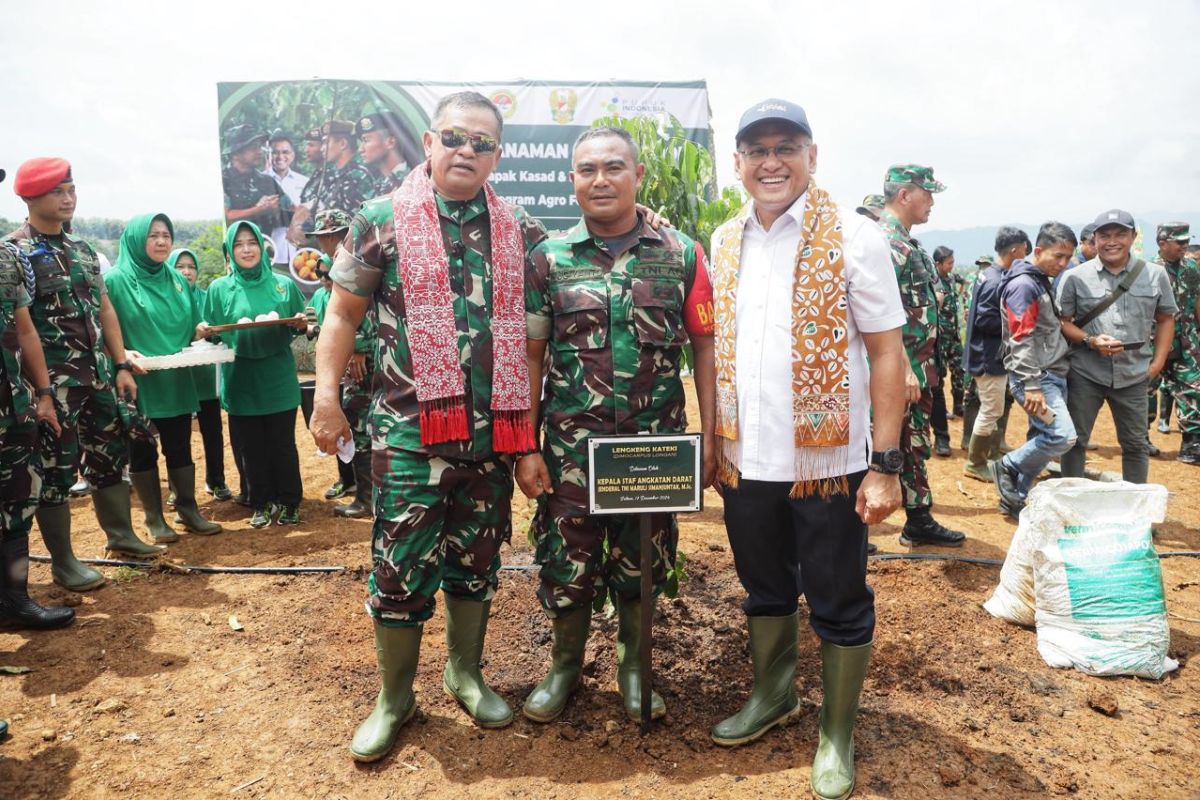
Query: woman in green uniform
259	389
158	315
185	263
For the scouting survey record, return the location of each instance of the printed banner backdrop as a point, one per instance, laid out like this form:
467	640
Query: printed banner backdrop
276	178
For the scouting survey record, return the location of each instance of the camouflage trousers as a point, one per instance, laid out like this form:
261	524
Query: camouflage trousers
916	443
91	421
580	553
439	523
1182	379
20	479
356	405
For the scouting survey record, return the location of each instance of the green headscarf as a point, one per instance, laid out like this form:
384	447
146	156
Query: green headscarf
256	274
143	272
173	259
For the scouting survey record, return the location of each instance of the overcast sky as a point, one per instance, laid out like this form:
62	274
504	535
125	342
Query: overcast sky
1027	110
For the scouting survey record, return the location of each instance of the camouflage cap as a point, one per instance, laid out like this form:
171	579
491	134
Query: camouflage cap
381	121
242	136
872	202
338	127
312	135
914	174
1174	231
984	261
331	220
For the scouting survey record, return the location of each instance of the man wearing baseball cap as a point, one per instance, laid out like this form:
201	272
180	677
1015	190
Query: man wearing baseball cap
1181	377
85	355
1111	306
908	191
793	274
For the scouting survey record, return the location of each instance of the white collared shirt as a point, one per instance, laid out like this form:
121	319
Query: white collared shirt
764	337
292	184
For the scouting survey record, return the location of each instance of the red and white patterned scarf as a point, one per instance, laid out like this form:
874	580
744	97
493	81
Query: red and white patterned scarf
432	335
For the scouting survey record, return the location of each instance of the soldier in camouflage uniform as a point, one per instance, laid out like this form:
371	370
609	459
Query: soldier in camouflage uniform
20	463
85	355
614	302
1181	377
949	348
249	194
343	184
871	206
331	227
908	190
379	135
442	510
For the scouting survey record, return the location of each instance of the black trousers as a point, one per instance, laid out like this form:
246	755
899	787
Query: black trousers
175	438
783	548
938	418
271	465
209	418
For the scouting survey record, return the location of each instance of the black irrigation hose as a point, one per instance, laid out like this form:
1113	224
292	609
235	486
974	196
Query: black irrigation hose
169	567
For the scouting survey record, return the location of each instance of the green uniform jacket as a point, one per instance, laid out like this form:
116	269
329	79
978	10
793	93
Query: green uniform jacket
16	401
915	274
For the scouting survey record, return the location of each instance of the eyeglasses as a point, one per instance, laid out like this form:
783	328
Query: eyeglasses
784	152
457	137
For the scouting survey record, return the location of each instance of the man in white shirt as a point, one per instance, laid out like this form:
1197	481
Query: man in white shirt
283	153
804	294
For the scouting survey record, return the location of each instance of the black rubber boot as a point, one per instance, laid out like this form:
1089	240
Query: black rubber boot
363	503
17	608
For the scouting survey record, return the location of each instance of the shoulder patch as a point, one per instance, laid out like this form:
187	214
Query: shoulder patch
900	251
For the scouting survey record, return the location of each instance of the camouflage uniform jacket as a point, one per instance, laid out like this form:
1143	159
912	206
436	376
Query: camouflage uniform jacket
1185	281
949	338
16	401
616	328
366	266
345	189
67	289
244	189
916	275
386	184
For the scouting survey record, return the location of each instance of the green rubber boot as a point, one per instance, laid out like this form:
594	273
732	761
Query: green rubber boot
113	513
150	494
629	672
466	627
842	672
773	700
977	457
548	699
187	512
67	571
397	650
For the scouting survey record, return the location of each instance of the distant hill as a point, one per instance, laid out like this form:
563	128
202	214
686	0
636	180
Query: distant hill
970	243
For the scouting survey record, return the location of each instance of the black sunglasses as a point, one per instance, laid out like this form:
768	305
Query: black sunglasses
457	137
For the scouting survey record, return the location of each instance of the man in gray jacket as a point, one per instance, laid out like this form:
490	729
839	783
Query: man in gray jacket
1037	358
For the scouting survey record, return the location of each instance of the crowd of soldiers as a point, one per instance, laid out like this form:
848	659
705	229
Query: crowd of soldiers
461	349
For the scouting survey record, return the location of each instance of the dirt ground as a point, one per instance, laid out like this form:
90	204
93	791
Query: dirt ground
153	694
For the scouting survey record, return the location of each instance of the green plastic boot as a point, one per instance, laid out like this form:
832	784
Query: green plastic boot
466	627
397	650
773	700
842	672
548	699
113	513
977	457
629	672
67	571
187	512
150	494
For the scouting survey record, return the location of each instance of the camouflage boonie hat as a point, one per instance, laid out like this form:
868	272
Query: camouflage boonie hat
1174	231
331	220
914	174
872	202
984	261
338	127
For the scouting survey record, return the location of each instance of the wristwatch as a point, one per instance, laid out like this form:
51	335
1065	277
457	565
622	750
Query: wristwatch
126	365
889	461
45	391
1087	341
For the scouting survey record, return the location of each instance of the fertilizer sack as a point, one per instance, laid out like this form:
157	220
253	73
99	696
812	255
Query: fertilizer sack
1098	597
